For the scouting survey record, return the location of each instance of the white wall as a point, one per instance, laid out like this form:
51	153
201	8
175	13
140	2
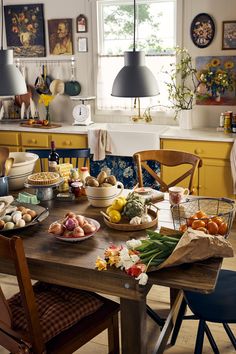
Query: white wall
220	11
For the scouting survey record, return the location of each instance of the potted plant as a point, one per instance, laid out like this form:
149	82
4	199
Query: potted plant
183	83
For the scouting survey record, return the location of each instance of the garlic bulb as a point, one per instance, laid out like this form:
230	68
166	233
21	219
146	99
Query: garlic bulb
145	218
136	220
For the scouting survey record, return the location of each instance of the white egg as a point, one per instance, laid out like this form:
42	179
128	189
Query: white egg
16	217
27	217
17	212
7	218
20	223
9	225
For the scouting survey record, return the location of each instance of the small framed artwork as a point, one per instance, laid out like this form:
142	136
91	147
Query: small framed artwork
81	24
202	30
25	30
82	44
229	35
60	36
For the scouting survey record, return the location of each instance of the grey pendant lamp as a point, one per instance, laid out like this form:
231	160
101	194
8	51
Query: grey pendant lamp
11	80
134	79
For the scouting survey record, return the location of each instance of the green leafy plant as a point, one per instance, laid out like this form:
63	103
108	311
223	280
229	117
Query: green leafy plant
183	83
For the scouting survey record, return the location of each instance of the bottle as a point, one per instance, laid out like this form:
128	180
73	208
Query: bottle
222	119
53	158
233	123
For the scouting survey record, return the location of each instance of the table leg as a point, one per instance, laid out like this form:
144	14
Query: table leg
133	326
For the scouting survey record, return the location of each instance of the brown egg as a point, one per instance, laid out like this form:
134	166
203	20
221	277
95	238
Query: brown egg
23	211
27	217
32	213
2	224
21	207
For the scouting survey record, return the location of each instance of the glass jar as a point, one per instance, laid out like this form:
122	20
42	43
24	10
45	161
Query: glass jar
84	172
76	188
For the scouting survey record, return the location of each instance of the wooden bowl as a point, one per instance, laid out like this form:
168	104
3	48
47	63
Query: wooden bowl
125	226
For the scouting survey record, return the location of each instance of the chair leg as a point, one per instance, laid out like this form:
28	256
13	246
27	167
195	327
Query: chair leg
200	337
178	323
211	340
230	334
154	316
113	336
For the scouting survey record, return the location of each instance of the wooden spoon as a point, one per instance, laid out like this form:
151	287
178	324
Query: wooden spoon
8	165
4	153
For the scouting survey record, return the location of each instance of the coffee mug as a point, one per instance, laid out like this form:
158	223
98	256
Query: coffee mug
176	194
4	186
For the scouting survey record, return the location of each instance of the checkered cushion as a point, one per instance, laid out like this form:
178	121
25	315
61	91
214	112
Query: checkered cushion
58	307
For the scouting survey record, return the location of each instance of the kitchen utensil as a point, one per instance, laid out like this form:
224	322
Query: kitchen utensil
43	81
1	112
57	87
19	99
32	108
72	87
4	153
22	110
8	165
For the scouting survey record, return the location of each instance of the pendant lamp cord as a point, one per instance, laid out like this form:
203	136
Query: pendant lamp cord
2	25
134	25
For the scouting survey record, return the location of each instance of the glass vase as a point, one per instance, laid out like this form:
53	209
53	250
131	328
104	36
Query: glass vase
48	117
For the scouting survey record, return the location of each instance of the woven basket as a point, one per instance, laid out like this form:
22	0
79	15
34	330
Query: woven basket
223	208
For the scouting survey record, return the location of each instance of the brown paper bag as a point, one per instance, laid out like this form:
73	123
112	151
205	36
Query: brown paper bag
195	246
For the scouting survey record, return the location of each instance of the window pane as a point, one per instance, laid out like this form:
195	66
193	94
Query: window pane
155	34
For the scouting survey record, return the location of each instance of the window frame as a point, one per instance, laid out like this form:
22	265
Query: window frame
121	115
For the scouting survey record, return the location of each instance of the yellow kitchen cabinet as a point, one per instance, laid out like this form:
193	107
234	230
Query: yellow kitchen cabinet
214	177
11	140
70	141
35	140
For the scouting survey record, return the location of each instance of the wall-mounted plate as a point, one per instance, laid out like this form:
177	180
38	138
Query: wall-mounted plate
202	30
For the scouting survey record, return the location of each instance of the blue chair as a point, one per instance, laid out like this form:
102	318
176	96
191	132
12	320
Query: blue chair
217	307
66	155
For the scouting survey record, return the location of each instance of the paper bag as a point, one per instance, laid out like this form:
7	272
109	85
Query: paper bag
195	246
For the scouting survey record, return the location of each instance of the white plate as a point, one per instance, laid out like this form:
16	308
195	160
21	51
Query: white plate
77	239
143	190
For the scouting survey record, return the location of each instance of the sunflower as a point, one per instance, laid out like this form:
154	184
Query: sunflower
228	64
215	62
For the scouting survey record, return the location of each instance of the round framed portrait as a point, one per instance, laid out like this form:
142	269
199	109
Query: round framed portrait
202	30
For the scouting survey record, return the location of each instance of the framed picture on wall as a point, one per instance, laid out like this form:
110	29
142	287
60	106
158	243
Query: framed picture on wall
60	36
82	44
81	24
229	35
25	30
202	30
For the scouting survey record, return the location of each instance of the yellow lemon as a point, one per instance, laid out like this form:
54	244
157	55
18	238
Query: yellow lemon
118	204
115	216
109	209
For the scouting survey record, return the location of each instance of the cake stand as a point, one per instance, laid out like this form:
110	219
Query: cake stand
44	192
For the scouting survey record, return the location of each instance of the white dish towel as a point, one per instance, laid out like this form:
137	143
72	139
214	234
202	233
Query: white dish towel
99	143
233	165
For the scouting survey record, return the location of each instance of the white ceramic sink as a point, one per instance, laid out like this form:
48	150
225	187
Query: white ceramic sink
126	139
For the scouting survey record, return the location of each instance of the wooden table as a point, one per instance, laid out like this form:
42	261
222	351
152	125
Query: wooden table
73	264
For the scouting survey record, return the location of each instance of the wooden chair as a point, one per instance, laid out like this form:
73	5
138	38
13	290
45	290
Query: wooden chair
39	318
216	307
66	155
170	159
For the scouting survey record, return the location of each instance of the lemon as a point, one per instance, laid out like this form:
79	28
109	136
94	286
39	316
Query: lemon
118	204
115	216
109	209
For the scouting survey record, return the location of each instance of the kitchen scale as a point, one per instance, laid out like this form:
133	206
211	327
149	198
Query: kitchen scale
82	111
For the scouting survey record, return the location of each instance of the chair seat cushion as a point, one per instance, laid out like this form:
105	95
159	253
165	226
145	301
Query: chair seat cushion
58	307
219	306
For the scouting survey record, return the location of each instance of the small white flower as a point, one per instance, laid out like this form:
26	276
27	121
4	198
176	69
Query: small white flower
132	244
135	258
142	278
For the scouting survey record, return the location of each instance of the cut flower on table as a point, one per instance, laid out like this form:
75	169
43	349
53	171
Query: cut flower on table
137	257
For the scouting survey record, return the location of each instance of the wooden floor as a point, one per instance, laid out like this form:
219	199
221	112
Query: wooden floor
158	299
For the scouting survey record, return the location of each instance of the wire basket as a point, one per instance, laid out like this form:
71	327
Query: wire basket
199	212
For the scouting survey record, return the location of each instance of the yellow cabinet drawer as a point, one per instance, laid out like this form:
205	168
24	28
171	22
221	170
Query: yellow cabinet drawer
34	139
70	140
204	149
9	138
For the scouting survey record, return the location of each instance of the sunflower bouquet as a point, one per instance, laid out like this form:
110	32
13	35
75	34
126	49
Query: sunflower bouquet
218	77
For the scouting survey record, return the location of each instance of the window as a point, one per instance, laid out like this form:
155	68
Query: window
155	34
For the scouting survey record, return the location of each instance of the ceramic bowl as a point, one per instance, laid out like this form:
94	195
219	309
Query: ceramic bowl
22	167
102	197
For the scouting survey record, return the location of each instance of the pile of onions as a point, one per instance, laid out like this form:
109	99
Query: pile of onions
72	226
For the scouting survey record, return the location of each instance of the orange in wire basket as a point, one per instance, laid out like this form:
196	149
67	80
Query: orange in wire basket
198	223
212	227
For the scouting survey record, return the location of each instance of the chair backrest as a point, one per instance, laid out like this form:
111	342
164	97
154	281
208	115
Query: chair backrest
11	249
66	155
168	158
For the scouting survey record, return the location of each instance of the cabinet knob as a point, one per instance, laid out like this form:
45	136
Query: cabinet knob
34	141
68	142
198	151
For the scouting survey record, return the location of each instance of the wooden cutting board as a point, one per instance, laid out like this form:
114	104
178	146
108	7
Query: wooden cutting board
40	126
